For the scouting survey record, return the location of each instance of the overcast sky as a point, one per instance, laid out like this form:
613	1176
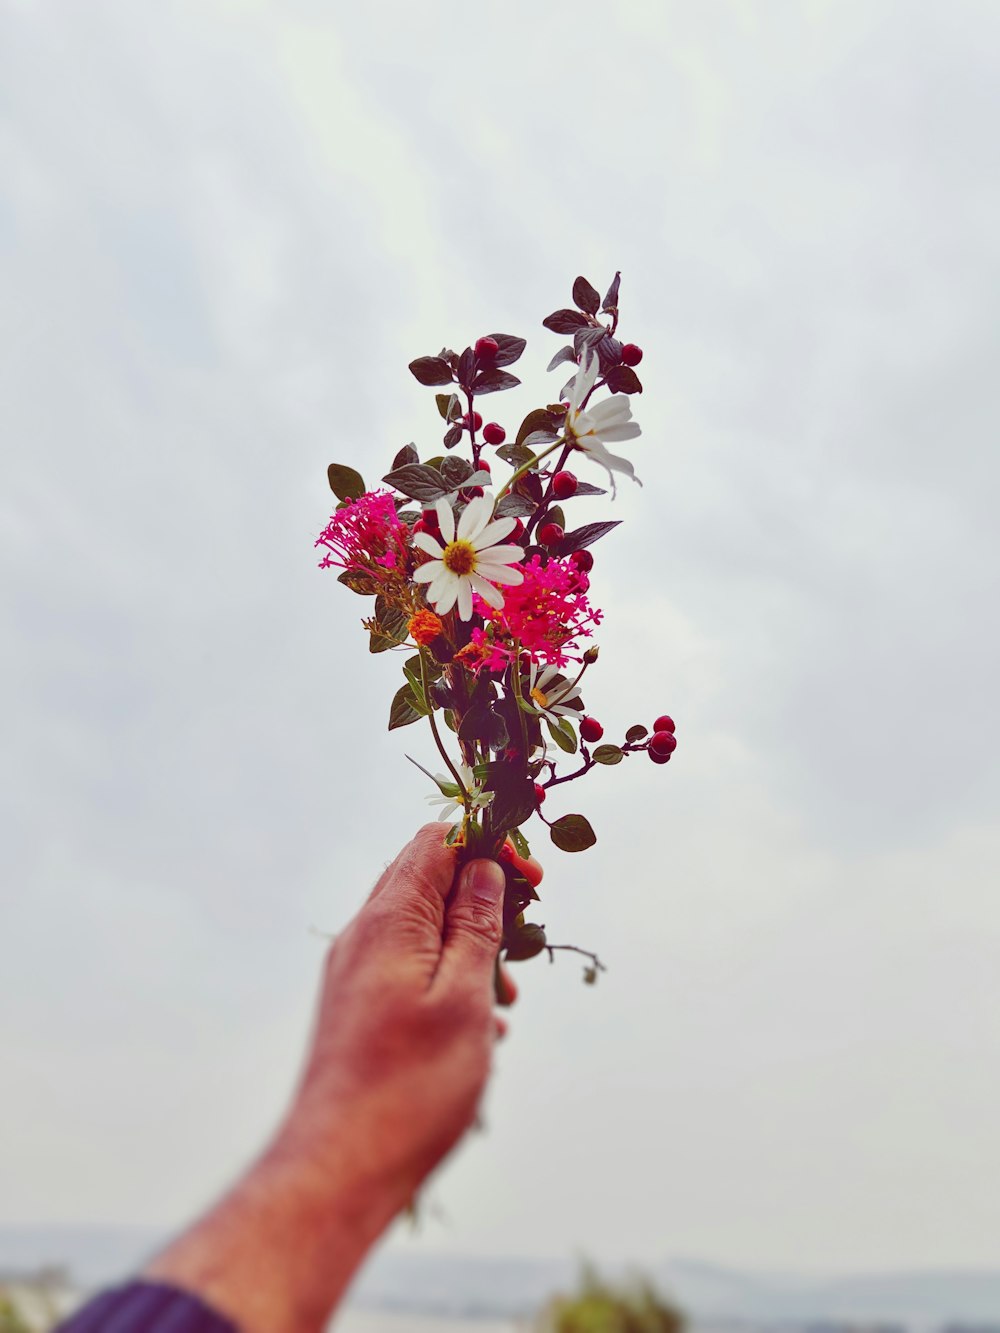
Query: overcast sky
225	227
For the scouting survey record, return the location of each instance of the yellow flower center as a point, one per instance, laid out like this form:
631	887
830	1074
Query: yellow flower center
542	700
459	557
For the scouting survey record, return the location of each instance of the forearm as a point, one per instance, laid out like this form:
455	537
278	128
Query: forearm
277	1253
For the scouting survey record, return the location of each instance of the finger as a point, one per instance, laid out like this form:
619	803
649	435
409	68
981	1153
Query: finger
506	990
427	847
473	929
405	914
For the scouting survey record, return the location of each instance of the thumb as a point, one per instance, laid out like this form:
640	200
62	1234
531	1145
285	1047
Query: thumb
473	927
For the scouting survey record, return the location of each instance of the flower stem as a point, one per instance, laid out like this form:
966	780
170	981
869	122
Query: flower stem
437	735
526	467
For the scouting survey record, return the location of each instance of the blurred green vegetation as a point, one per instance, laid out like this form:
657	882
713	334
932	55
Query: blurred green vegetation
10	1320
600	1307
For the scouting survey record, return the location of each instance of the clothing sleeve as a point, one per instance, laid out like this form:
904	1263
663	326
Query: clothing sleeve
146	1307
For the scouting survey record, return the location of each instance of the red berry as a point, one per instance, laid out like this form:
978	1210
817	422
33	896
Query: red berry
487	348
485	467
419	526
590	729
539	793
664	723
493	433
472	492
550	533
663	742
631	355
474	421
583	560
564	485
430	520
518	530
658	758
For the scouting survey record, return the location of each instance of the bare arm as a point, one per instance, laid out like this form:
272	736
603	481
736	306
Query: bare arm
399	1058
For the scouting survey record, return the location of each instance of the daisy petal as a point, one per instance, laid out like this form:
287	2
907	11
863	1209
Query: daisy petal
491	596
464	599
427	572
494	532
501	555
628	430
500	574
446	520
427	543
475	516
447	597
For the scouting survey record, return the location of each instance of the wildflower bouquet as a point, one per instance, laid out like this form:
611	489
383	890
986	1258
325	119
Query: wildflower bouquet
484	587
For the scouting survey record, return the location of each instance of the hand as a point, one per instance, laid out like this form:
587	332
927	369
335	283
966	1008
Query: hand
405	1029
399	1059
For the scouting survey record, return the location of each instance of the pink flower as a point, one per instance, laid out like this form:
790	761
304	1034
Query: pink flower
547	613
367	535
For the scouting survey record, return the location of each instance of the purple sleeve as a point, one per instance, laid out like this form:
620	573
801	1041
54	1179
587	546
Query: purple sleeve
146	1307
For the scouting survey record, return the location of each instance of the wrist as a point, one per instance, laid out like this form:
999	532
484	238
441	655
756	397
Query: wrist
280	1249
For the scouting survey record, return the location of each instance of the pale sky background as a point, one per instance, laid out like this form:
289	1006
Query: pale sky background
225	228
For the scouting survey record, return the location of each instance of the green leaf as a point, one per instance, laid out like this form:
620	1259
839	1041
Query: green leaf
541	418
585	536
539	440
520	843
480	723
572	833
608	754
515	454
524	942
358	581
455	471
586	297
452	436
610	302
418	481
563	734
416	688
564	354
492	381
345	483
515	505
636	733
404	709
623	379
565	321
449	405
509	348
585	488
387	627
555	515
513	795
431	370
406	455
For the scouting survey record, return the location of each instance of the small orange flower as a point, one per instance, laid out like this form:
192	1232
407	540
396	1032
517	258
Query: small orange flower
471	656
424	628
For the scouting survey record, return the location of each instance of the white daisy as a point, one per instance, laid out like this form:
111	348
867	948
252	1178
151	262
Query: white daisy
467	560
551	693
608	420
450	798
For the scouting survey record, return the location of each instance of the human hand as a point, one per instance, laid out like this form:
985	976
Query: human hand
405	1026
399	1058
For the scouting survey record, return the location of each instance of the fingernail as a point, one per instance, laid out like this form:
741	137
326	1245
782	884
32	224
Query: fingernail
486	881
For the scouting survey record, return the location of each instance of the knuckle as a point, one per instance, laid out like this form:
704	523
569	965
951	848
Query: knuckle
478	921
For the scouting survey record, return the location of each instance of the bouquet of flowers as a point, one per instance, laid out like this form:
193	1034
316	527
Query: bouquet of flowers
484	588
